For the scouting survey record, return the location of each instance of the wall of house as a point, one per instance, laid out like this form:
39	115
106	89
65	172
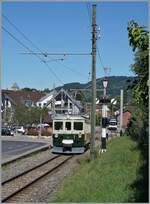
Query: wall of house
75	110
43	102
126	118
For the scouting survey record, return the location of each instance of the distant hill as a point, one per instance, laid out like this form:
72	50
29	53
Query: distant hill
115	83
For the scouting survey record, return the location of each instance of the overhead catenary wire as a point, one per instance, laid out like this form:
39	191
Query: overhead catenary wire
63	53
19	31
26	47
45	54
100	57
88	12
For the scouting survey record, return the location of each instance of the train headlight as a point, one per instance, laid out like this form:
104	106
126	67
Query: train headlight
56	136
80	135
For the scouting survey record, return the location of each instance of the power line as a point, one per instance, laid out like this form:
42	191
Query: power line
45	54
54	73
55	60
19	31
100	59
88	11
23	45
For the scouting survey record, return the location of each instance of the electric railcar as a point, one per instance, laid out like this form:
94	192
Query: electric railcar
70	134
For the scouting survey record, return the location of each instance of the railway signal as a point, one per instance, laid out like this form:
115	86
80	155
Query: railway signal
104	101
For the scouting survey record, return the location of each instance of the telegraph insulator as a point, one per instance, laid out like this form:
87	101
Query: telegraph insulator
98	36
98	29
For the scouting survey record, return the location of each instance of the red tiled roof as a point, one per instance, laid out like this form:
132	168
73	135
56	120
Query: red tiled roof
20	96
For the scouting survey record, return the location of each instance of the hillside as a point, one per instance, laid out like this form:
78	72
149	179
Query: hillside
115	83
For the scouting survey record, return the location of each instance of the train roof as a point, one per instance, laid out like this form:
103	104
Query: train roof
68	117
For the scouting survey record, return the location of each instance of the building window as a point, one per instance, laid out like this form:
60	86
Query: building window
28	103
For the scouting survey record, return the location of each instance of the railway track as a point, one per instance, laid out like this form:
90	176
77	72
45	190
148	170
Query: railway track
12	187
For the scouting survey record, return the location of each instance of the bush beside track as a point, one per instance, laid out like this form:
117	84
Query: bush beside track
109	178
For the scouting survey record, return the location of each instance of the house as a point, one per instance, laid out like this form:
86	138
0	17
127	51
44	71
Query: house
62	103
126	118
13	98
42	102
20	97
58	102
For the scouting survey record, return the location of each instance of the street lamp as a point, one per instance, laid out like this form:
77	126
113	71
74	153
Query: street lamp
105	83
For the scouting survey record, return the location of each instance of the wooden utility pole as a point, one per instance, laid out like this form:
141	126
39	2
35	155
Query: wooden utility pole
93	110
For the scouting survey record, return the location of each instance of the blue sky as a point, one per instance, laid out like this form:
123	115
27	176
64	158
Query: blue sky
65	27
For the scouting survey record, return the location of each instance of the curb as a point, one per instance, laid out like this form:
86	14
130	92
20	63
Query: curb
8	161
26	139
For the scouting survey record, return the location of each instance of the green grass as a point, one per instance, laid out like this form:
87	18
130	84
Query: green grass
107	179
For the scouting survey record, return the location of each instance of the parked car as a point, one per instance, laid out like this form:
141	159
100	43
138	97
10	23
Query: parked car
20	130
112	124
7	131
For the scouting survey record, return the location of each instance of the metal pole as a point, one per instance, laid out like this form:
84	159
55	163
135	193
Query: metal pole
92	138
104	125
61	102
40	125
121	111
104	92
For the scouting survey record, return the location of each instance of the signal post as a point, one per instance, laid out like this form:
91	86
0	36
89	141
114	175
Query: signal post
104	101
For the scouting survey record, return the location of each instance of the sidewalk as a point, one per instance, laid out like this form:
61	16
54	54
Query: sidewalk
28	138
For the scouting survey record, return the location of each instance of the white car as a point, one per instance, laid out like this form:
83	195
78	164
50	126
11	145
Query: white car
21	130
112	124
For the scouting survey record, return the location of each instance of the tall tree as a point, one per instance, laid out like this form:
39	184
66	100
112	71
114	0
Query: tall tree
139	41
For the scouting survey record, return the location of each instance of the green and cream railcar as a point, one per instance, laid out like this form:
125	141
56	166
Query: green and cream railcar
70	134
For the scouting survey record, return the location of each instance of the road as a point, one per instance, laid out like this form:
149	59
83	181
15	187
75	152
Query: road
12	148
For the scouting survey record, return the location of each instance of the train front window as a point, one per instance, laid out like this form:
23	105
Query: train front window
58	125
113	123
68	126
78	126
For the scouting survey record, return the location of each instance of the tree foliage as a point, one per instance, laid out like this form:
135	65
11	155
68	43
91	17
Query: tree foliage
139	41
138	126
28	116
138	36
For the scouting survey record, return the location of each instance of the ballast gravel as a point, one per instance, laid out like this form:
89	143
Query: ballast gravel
23	164
47	187
42	190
